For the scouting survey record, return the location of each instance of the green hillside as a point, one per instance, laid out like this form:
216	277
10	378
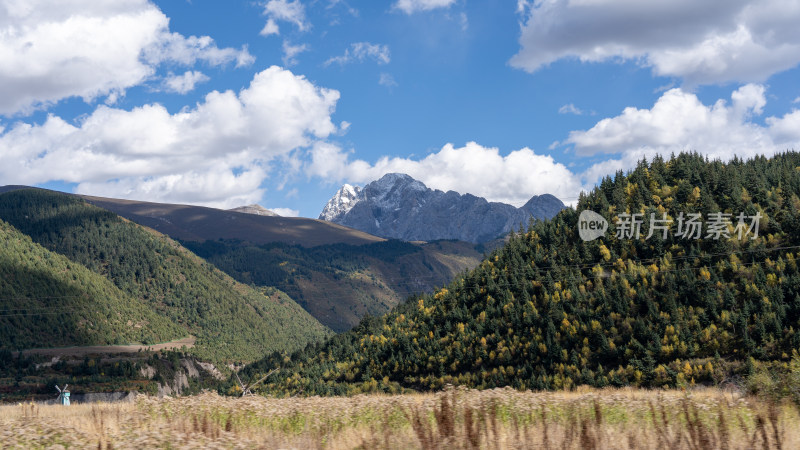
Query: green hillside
340	283
231	321
551	311
338	274
48	301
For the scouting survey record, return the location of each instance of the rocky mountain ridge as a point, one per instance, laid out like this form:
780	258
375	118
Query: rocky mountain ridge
344	200
398	206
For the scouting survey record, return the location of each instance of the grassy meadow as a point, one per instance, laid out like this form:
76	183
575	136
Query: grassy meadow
455	418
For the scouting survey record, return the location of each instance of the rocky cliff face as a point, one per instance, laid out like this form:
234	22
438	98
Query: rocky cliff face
341	203
400	207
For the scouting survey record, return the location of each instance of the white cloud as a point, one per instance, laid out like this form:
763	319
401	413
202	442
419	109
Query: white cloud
387	80
214	187
711	41
785	131
214	154
293	12
89	49
350	10
270	28
290	52
285	212
464	21
175	48
412	6
570	109
678	122
184	83
360	51
473	169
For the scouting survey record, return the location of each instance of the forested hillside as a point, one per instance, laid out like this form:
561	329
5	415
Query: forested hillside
46	300
338	274
552	311
340	283
231	321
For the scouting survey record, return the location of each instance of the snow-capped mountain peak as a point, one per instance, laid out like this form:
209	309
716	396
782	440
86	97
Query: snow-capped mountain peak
400	207
391	189
342	202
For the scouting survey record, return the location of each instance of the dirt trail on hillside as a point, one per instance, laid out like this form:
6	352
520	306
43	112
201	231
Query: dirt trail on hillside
82	351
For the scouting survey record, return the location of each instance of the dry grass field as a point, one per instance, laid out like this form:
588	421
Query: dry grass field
500	418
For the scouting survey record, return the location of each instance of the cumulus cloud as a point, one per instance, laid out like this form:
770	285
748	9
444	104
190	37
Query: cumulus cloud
679	121
209	186
184	83
570	109
464	21
290	53
285	212
293	12
360	51
386	79
350	10
473	169
270	28
175	48
711	41
214	154
89	49
412	6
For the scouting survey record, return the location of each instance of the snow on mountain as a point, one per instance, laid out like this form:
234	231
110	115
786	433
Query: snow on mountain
342	202
400	207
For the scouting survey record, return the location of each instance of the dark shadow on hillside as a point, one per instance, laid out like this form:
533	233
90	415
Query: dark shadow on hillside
51	314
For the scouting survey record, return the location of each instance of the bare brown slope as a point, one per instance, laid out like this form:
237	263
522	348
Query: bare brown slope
197	223
339	299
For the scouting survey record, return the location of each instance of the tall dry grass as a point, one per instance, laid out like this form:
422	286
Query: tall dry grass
456	418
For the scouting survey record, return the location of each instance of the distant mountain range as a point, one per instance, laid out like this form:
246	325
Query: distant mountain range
257	210
400	207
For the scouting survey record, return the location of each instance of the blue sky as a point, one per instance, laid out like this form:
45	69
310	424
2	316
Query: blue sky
279	102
